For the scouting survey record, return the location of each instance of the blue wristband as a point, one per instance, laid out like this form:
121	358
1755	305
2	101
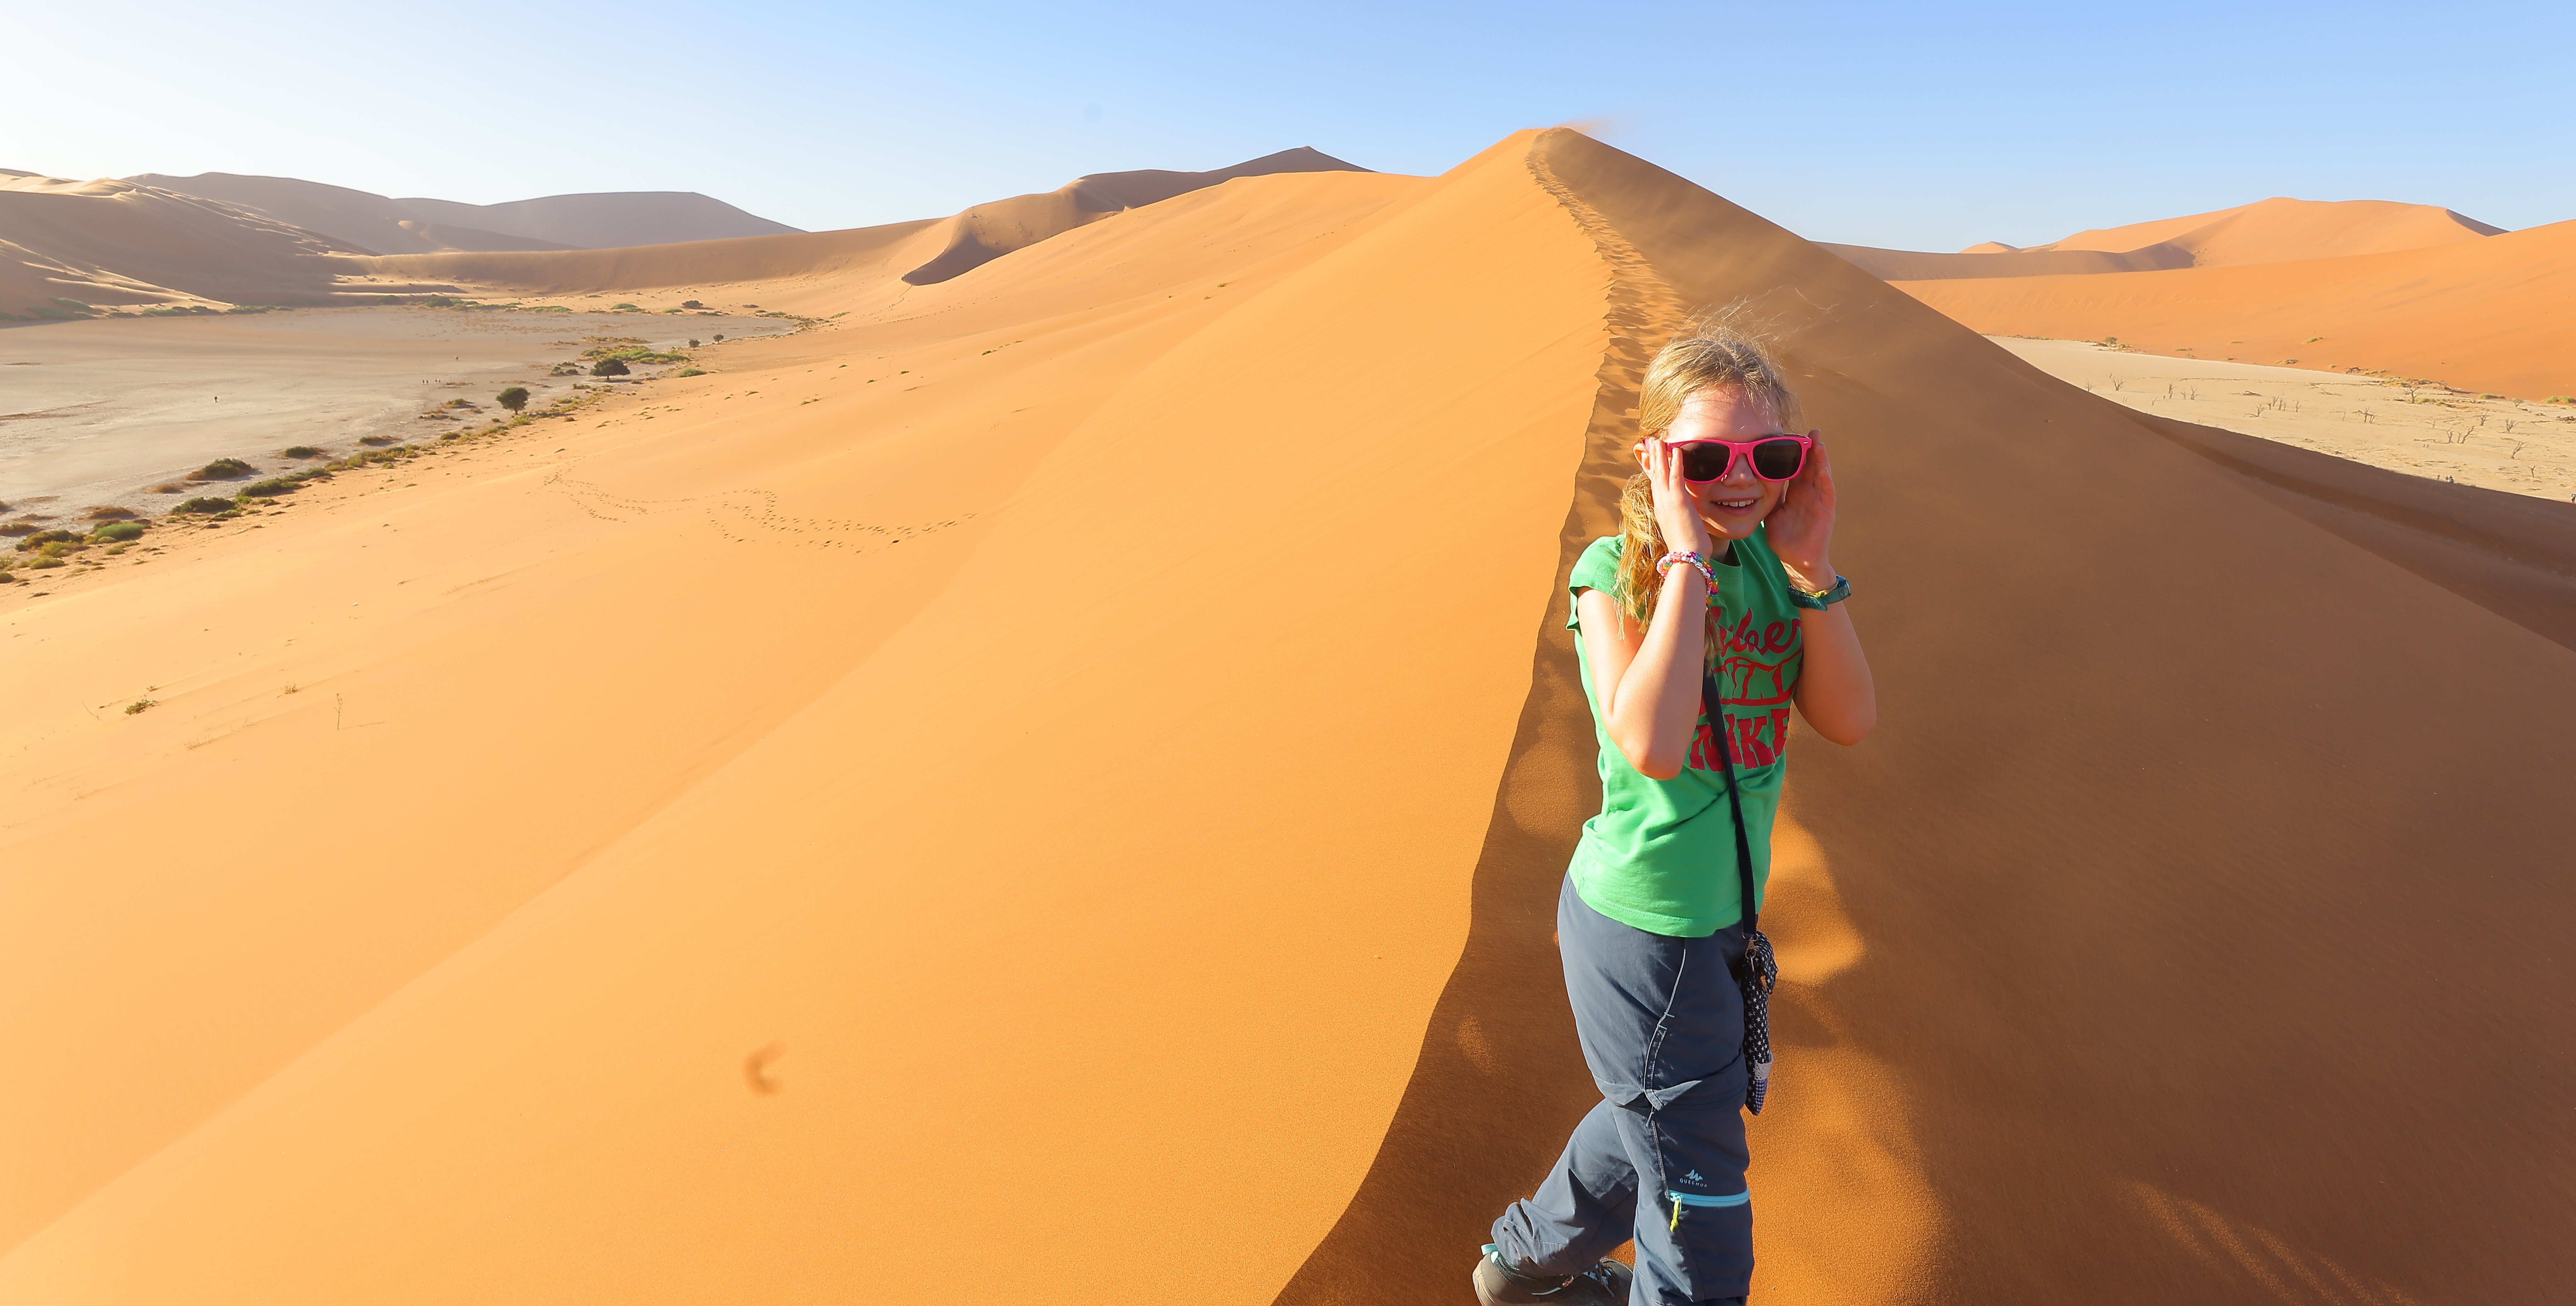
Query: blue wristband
1820	602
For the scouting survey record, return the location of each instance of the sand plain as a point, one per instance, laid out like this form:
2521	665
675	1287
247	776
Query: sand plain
100	411
2422	430
1026	758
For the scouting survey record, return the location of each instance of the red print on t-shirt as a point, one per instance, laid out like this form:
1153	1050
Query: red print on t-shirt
1757	668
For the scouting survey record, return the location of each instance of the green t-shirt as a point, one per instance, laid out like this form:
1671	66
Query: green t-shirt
1661	855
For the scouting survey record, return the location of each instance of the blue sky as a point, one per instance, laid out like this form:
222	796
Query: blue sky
1911	126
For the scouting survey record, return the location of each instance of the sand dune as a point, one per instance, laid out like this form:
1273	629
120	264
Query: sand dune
988	231
879	265
112	242
2490	315
67	246
379	225
1025	757
2277	230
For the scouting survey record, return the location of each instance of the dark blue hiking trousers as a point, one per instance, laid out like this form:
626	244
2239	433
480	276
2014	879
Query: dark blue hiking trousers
1661	1159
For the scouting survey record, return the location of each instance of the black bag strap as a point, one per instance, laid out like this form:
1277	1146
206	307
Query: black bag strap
1717	725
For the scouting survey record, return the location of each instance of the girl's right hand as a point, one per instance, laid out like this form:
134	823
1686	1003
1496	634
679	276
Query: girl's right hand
1676	513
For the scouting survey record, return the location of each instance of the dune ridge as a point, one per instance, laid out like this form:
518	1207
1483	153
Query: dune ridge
974	782
2276	230
376	224
2489	315
66	247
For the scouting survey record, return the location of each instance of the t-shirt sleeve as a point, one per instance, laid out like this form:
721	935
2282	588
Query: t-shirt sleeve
1597	569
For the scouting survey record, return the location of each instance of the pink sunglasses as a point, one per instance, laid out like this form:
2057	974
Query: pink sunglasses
1774	457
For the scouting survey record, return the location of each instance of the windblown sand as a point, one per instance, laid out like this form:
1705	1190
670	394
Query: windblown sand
102	410
1059	776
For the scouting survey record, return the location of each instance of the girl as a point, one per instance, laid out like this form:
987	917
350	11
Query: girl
1722	573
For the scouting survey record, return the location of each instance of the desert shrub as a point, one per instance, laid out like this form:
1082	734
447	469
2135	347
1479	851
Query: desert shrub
170	487
6	578
693	371
270	488
720	338
117	532
2561	399
223	469
462	403
55	549
107	512
41	539
299	451
41	563
633	352
205	505
691	303
514	398
140	705
609	367
375	440
624	308
693	344
18	528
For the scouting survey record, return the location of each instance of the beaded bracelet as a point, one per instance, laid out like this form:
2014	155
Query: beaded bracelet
1820	600
1665	564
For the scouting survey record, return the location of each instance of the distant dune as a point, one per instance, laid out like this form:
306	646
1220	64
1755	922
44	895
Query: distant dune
146	243
1085	748
988	231
2272	231
2493	314
375	224
66	246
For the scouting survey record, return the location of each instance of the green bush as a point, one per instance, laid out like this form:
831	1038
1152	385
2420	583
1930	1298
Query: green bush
18	528
117	532
609	367
41	563
376	440
299	451
108	512
205	505
693	371
270	488
223	469
514	398
42	538
693	344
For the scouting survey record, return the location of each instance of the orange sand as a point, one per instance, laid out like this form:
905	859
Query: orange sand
2273	231
1059	776
2491	315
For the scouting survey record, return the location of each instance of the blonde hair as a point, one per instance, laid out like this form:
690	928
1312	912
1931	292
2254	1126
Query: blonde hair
1717	352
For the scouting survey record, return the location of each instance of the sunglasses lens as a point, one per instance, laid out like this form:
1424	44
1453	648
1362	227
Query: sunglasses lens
1705	462
1778	460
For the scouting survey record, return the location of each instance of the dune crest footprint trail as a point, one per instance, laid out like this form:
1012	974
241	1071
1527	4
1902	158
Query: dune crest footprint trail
1148	879
1500	1082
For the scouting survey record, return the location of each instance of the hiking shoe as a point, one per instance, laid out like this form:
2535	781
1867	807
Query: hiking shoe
1497	1284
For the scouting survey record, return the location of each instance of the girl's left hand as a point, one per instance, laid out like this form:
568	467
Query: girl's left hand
1801	528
